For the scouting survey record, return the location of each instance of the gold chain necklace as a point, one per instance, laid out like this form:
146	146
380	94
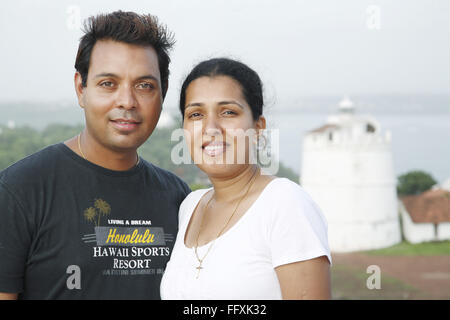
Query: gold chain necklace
81	151
200	261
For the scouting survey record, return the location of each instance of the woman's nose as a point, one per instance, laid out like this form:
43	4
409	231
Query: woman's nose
212	126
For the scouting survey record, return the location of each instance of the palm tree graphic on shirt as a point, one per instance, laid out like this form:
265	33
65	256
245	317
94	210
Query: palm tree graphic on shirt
100	208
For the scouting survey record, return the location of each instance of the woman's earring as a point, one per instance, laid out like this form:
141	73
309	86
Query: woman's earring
261	142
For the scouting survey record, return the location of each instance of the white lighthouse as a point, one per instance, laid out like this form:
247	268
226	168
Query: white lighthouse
347	168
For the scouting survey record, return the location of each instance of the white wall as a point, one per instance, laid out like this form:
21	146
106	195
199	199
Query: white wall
443	231
354	184
415	232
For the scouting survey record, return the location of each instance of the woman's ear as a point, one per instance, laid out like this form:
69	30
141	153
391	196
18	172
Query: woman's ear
260	124
79	89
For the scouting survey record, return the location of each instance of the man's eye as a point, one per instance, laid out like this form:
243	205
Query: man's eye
145	85
107	84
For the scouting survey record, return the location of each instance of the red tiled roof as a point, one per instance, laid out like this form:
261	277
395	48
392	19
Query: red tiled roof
431	206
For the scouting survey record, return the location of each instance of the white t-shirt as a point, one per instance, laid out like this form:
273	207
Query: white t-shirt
282	226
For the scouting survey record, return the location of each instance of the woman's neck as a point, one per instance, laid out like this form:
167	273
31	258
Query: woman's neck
228	189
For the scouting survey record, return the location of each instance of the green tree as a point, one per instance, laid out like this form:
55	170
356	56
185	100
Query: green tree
286	172
414	182
18	143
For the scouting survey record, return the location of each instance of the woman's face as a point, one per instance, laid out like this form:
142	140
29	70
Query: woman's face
219	125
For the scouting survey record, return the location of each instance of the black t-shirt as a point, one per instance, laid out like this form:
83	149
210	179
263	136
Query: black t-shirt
70	229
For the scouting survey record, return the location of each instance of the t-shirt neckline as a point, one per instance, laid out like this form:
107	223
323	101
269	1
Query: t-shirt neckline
99	169
239	222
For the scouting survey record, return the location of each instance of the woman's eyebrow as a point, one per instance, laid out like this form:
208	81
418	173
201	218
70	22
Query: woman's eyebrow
220	103
231	102
194	104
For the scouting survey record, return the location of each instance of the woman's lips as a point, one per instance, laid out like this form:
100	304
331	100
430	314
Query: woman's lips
125	125
215	148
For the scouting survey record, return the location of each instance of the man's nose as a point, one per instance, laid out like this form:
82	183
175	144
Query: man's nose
126	97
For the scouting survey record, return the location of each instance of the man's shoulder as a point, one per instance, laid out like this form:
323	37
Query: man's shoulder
36	164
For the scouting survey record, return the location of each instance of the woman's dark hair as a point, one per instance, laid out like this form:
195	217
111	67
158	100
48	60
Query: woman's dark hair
127	27
247	78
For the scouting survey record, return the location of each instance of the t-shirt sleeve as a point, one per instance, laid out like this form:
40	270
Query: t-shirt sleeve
15	240
297	229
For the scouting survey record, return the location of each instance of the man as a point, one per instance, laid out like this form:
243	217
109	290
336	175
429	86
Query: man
87	218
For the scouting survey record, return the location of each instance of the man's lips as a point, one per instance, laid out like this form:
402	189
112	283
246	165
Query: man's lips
125	124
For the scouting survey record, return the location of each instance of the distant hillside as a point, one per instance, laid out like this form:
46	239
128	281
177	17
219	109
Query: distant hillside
22	141
39	115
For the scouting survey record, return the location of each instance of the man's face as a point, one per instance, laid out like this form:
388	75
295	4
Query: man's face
122	99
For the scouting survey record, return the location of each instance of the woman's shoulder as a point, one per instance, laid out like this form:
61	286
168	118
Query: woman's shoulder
191	201
288	198
284	188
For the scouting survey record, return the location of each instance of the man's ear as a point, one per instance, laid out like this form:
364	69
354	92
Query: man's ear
79	89
164	91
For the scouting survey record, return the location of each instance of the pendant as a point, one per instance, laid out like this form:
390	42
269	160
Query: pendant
199	268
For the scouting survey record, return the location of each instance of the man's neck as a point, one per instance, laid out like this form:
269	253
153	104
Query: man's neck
101	156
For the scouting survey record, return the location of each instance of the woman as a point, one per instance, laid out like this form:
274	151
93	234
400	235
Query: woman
250	236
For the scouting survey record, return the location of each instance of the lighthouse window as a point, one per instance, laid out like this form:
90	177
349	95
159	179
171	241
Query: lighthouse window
330	136
370	128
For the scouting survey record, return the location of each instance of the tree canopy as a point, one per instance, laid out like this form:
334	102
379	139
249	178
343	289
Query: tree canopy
414	182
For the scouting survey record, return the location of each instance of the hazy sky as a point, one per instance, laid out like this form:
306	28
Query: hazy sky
299	48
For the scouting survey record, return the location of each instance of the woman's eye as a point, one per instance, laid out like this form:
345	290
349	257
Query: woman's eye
229	112
194	115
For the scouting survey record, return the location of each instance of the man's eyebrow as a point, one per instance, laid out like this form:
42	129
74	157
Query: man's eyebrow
113	75
106	74
148	77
